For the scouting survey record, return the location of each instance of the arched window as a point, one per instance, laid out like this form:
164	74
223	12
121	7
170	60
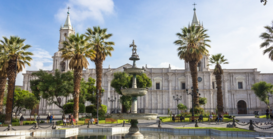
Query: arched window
199	66
62	66
65	35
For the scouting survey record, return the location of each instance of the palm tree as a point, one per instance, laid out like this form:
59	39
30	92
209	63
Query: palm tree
3	75
103	49
218	59
76	49
16	55
268	37
192	46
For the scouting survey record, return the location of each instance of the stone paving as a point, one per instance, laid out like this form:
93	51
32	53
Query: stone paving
154	123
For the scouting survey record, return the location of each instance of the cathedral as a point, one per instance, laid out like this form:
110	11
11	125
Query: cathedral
168	84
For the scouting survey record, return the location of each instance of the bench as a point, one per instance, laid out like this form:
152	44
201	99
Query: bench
87	120
110	120
177	119
29	119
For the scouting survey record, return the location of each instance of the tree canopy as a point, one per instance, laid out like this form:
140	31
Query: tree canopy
182	107
52	87
23	99
262	89
122	80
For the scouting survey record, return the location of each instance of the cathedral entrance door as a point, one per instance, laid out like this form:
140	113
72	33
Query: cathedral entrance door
241	105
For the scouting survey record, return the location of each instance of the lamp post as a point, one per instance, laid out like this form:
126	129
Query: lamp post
112	100
177	99
97	96
192	95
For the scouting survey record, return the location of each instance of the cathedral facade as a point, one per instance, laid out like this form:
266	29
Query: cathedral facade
168	83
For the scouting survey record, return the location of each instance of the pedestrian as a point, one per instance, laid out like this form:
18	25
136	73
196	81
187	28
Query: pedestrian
64	122
38	119
267	113
210	117
200	117
21	119
173	118
182	118
63	118
71	119
92	120
48	118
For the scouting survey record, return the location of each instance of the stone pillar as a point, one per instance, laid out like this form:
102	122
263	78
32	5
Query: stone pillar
170	93
226	94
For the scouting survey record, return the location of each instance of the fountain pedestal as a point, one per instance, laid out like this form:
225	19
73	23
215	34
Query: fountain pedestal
134	92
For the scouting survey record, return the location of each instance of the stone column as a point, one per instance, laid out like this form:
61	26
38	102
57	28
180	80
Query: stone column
226	93
170	90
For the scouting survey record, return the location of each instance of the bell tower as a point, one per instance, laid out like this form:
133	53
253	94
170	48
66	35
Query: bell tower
65	31
203	63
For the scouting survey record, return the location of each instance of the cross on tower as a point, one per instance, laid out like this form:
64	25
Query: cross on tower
194	6
68	9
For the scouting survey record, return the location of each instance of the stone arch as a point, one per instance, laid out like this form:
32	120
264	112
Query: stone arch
242	107
62	64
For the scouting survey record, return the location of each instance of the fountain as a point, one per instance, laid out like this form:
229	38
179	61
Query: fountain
134	92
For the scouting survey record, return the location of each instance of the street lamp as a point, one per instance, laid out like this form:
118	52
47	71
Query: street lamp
112	100
192	95
177	99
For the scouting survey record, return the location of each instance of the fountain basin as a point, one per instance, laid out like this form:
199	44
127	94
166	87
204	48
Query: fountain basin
134	70
134	91
145	116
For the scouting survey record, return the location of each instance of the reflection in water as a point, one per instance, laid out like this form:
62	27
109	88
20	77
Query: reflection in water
147	135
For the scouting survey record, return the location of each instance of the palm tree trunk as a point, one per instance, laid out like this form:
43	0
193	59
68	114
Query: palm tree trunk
11	81
99	69
193	68
77	83
219	93
3	80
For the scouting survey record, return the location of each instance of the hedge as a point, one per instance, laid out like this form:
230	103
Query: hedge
68	108
92	109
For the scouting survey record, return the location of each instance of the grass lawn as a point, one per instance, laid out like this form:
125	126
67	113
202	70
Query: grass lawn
188	119
101	122
262	116
216	128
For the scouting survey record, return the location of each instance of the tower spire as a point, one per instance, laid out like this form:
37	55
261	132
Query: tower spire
195	19
67	24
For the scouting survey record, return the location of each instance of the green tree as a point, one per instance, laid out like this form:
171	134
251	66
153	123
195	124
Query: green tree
23	99
97	38
218	59
3	74
182	107
262	89
16	55
52	87
268	41
76	50
192	47
122	80
202	101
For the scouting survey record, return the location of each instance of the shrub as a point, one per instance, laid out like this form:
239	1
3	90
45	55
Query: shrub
92	109
2	118
42	121
197	110
58	122
15	120
68	108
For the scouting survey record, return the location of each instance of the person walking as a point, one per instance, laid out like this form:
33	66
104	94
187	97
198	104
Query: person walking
64	120
21	119
50	118
267	113
71	119
38	119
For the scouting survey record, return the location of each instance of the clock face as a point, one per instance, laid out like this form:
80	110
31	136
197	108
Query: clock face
199	79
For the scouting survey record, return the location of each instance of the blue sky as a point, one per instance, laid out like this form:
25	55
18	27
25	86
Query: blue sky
233	26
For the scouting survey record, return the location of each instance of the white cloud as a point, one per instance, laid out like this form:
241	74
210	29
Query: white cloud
41	60
82	10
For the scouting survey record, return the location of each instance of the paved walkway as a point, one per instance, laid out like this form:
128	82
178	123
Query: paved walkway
154	123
